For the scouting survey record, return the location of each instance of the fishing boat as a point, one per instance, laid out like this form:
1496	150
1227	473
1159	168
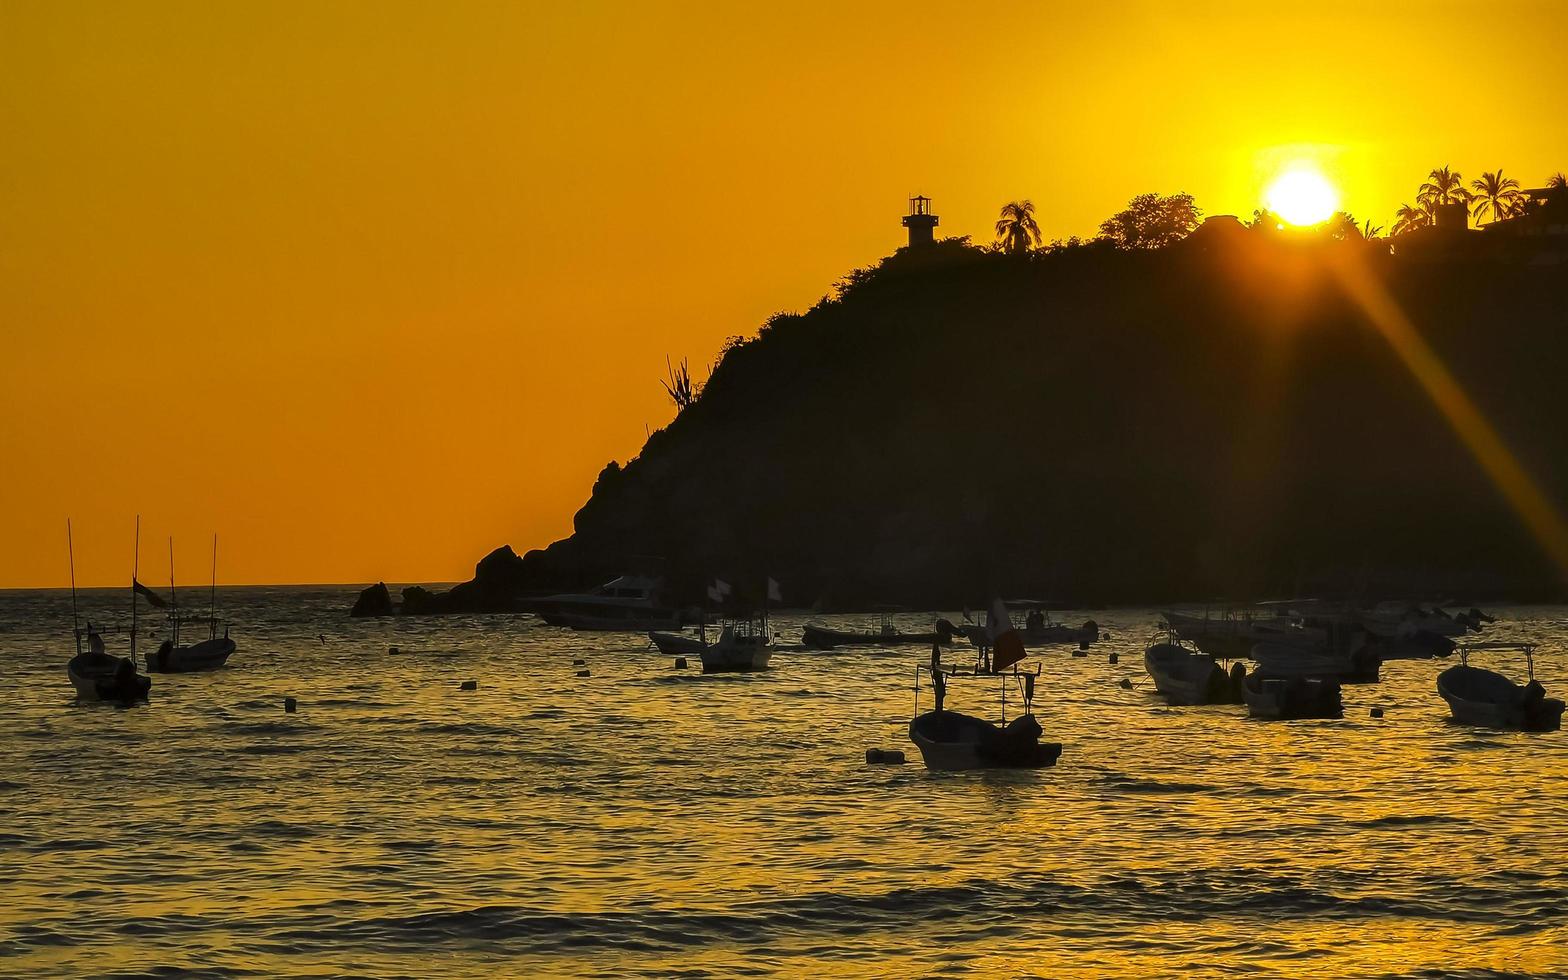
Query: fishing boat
741	645
94	673
1484	697
1039	628
1185	676
1229	635
209	654
951	740
1325	647
886	635
1287	698
629	603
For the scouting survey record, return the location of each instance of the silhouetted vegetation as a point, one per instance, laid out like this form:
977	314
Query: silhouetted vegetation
679	385
1151	415
1150	221
1016	230
1495	194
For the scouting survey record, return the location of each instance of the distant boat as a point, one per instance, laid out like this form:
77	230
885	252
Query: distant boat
1188	677
629	603
208	654
742	645
93	673
1327	647
1487	698
886	635
1039	629
950	740
97	676
1285	698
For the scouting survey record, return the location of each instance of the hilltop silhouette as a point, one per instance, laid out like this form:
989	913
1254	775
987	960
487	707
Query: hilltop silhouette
1097	425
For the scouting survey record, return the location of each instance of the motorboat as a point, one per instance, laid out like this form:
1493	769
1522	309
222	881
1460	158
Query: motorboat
97	676
1039	629
1184	676
741	645
1477	696
886	635
951	740
630	603
172	657
209	654
93	673
1286	698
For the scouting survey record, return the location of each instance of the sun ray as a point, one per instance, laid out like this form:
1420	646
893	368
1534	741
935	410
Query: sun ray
1462	414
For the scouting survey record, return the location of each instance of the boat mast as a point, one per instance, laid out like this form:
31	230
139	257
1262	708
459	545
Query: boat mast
174	601
212	613
136	560
70	549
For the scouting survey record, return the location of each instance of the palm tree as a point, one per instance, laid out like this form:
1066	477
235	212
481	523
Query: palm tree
1369	231
1495	193
1559	179
1016	230
1443	186
1409	218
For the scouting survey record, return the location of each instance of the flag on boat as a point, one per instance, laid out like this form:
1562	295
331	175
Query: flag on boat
774	593
719	590
153	599
1007	647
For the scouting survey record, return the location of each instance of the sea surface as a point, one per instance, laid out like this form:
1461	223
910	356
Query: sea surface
649	821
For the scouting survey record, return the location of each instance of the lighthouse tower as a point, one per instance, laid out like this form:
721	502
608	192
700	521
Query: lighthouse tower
920	222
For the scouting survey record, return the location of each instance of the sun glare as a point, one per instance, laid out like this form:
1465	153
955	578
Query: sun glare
1302	196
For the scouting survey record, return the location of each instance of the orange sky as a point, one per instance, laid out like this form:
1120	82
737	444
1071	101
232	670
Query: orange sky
371	288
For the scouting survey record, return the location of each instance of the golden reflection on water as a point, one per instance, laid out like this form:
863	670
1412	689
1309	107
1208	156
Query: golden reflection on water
652	821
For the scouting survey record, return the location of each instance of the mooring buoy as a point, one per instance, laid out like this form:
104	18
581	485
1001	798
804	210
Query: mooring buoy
1113	658
579	663
680	663
468	686
391	649
582	673
1376	712
289	704
1125	683
884	757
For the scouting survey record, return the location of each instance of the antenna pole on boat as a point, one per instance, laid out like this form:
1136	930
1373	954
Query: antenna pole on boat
70	550
212	609
174	601
136	561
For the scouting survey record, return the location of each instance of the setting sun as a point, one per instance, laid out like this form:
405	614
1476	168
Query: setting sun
1302	197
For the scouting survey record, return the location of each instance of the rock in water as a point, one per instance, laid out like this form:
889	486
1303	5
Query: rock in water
374	601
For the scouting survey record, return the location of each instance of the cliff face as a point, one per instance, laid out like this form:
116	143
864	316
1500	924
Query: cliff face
1212	419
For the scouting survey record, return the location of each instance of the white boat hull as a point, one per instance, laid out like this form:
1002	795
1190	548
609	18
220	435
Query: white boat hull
206	655
1490	700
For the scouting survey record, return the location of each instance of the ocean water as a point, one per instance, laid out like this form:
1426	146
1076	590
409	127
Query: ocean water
647	821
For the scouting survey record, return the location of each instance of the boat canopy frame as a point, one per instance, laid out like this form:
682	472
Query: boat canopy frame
1527	647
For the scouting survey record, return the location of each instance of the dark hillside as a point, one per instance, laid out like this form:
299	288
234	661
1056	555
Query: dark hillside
1098	426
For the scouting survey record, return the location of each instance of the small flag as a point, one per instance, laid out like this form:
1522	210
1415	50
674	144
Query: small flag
153	599
1006	645
722	586
774	593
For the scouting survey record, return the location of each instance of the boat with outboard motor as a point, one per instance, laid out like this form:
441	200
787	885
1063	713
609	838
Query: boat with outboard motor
1185	676
94	673
1039	628
886	635
1289	698
208	654
951	740
742	645
1487	698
